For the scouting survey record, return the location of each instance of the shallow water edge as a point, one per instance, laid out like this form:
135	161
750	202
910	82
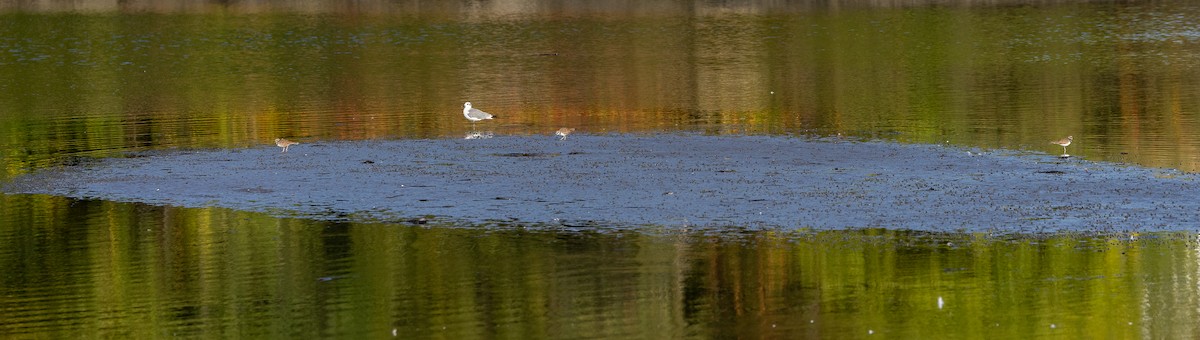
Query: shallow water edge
685	181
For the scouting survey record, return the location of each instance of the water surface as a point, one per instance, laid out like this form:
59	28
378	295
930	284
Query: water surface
149	272
80	80
629	182
1117	77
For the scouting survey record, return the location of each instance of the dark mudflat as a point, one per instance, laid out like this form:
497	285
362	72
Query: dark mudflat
667	180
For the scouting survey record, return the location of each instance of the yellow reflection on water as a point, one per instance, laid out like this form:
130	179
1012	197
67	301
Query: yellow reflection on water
98	84
106	269
96	81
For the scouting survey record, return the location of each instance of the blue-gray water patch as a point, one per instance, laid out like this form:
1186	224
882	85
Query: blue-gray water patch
665	180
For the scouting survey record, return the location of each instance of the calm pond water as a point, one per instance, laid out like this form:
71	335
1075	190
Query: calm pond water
100	82
97	269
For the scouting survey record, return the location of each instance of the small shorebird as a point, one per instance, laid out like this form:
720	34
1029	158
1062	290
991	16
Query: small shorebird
283	143
473	114
1064	142
563	132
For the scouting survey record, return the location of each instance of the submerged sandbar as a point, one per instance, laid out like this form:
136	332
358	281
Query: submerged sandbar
666	180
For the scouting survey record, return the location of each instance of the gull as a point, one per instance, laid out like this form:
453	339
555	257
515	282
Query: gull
473	114
283	143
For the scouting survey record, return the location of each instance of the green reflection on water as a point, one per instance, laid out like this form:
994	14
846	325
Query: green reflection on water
100	269
1117	77
1120	78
